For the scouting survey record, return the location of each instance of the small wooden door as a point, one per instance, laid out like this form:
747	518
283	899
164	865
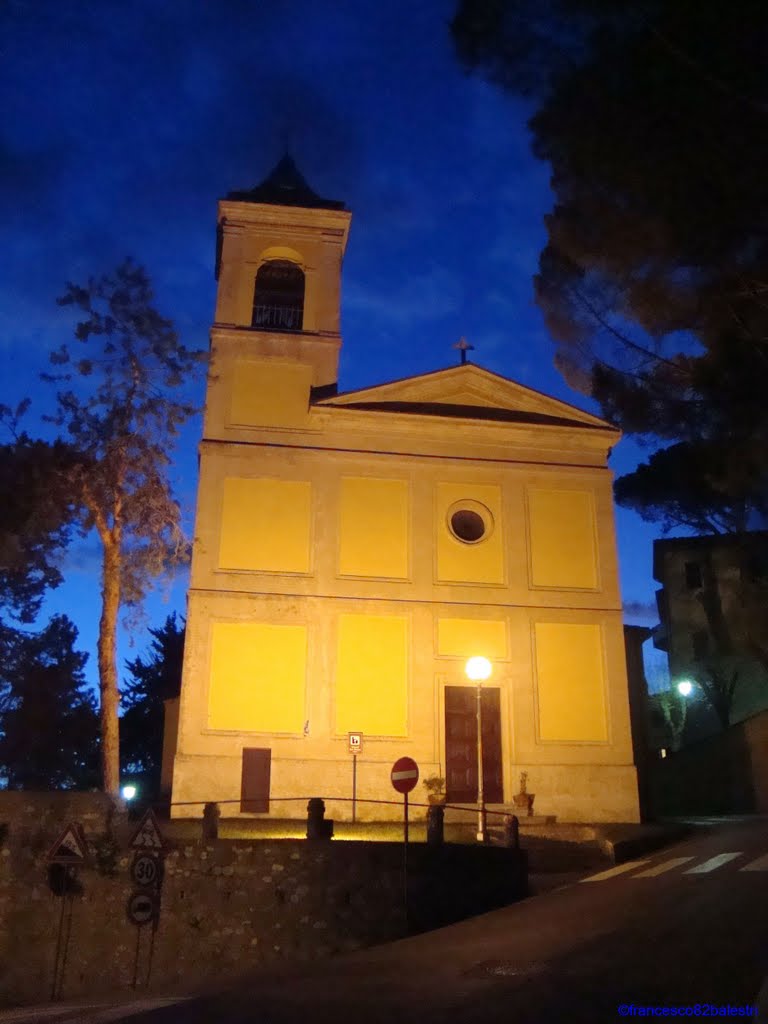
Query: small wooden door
254	785
461	745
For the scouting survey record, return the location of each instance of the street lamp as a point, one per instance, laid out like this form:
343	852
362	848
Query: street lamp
684	687
477	669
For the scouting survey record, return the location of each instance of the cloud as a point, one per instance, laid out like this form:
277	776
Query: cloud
646	611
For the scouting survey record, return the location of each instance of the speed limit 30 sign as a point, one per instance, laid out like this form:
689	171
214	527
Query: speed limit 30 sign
146	871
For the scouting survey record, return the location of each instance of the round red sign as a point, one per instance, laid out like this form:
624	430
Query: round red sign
405	774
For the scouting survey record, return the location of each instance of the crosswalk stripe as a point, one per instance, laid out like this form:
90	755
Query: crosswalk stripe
761	864
618	870
666	865
712	864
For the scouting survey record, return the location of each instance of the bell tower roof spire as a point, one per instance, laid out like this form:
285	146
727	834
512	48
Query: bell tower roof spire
285	185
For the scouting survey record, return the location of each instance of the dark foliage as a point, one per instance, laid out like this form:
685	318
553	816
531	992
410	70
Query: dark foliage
654	280
153	679
35	520
48	720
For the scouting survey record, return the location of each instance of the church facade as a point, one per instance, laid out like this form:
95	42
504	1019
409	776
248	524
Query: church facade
353	549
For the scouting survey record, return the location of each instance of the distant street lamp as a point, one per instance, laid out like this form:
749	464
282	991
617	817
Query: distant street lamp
477	669
685	687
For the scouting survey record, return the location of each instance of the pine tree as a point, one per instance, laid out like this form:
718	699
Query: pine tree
154	679
48	720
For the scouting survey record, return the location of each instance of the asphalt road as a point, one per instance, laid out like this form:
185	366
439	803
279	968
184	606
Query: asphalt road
685	927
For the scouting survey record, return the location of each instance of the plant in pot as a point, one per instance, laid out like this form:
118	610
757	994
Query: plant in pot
524	799
435	787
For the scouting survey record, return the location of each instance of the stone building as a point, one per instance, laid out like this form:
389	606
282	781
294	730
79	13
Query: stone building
352	549
713	612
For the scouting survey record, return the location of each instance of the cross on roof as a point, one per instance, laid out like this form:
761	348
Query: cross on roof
463	346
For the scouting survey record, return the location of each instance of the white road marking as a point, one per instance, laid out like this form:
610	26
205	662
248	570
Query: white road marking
666	865
761	864
618	870
712	864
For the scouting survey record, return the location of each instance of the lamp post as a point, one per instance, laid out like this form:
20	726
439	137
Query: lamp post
477	669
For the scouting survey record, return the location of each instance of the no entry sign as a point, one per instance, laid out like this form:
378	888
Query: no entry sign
405	774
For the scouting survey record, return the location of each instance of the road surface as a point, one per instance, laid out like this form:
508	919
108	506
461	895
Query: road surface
683	928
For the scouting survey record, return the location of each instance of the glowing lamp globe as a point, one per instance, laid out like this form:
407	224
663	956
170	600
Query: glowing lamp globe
129	792
478	669
684	687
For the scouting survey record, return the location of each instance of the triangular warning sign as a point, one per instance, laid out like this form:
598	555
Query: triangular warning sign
147	836
70	847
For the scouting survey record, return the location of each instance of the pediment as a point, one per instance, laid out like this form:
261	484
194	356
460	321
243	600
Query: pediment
467	391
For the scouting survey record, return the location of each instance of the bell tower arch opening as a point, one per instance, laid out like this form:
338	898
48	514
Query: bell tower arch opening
278	296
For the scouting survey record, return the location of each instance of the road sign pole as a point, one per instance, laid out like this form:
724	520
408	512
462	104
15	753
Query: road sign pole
405	857
354	787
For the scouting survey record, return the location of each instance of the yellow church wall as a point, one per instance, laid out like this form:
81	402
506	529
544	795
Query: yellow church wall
374	508
257	677
463	638
371	682
269	393
562	539
570	682
480	562
265	525
340	545
321	755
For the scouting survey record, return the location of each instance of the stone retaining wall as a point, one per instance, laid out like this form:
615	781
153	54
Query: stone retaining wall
226	905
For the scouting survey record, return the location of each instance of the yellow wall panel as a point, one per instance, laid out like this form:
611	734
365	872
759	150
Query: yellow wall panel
463	638
372	675
268	394
258	677
562	537
469	563
373	527
265	525
570	682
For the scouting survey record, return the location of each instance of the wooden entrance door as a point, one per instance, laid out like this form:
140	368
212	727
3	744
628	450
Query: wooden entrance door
461	745
254	784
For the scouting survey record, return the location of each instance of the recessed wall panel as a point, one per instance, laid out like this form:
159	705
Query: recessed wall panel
265	525
562	533
269	394
570	682
373	527
257	677
371	694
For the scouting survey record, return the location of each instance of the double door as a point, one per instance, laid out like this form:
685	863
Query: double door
461	744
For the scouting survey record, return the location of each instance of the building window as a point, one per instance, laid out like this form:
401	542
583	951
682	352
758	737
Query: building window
693	576
278	297
469	521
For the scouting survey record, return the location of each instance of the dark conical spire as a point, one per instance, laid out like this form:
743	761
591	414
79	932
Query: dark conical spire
285	186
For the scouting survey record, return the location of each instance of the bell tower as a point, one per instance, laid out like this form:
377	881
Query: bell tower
276	330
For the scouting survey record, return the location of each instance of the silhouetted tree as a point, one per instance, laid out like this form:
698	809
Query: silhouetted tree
654	280
35	518
49	726
153	679
121	414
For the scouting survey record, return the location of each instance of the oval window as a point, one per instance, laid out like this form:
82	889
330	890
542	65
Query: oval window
469	521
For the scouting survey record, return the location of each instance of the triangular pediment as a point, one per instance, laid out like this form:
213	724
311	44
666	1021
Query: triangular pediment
467	391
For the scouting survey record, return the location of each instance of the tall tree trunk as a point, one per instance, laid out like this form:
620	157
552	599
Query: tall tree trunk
107	648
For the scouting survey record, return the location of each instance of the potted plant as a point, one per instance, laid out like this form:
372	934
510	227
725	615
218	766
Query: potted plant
524	799
435	787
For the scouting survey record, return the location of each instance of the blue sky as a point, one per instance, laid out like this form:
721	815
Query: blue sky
123	123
